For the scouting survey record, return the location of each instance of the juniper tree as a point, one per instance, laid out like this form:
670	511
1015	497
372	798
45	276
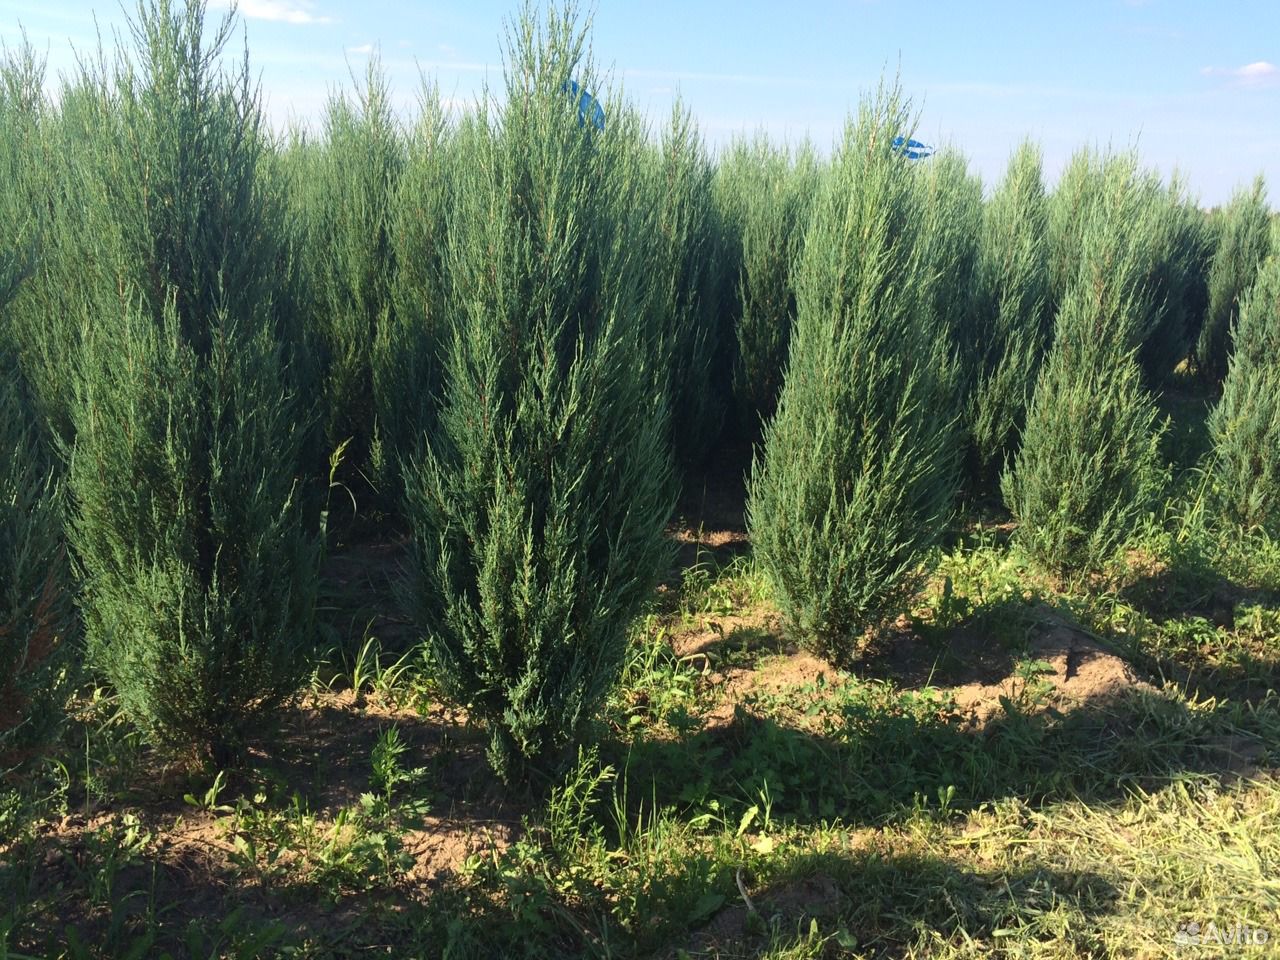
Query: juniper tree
1070	207
198	569
1178	283
1245	424
1088	470
36	176
764	193
1243	243
683	281
23	115
405	348
37	620
857	474
538	503
1011	325
348	193
1170	261
949	234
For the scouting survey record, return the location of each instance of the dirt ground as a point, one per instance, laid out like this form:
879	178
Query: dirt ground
324	752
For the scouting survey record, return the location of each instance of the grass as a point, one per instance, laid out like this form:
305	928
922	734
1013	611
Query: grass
714	587
947	798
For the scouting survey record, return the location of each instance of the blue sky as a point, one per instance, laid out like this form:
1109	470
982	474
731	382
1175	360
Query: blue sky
1195	85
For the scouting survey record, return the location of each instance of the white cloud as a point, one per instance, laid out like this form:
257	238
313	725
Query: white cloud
1250	75
1257	70
363	50
281	11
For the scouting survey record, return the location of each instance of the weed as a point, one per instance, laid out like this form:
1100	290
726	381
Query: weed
711	588
657	687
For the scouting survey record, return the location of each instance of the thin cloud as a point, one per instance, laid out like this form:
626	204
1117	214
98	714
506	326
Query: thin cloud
1260	73
281	11
448	65
1152	32
364	50
734	78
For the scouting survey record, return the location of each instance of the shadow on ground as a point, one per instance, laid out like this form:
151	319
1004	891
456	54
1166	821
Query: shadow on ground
871	756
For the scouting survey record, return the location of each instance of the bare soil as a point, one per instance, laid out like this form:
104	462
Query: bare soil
1082	671
749	654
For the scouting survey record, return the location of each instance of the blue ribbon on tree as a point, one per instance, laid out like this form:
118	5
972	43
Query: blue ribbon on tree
912	149
588	106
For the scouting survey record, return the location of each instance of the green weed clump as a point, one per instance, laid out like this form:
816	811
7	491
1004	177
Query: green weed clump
1243	243
538	502
857	474
1088	472
1012	326
1245	425
198	570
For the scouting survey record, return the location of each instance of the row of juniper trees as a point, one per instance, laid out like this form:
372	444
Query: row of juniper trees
511	334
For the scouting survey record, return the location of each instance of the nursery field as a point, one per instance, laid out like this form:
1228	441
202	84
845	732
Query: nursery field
523	531
1015	771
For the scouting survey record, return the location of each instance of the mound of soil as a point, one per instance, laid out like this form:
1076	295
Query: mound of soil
747	654
1078	670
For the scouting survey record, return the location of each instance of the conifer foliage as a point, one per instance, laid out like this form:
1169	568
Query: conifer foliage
684	282
1088	470
405	349
857	474
39	151
518	322
1070	211
37	622
198	570
764	193
1011	326
1245	425
1181	248
1243	243
348	190
949	235
538	504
